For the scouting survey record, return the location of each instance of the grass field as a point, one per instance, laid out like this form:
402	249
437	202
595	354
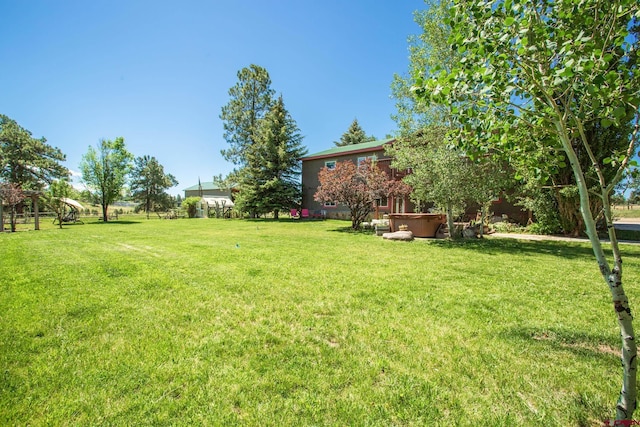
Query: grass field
622	212
229	322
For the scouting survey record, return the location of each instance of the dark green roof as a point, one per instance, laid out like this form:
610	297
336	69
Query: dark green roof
365	146
205	186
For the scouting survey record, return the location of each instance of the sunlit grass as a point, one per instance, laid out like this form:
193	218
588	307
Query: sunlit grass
214	322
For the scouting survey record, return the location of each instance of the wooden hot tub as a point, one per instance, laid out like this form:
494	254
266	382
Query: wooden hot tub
420	224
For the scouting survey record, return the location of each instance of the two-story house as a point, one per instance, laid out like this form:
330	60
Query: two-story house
357	153
313	163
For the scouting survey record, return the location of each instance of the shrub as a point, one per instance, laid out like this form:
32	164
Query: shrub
508	227
541	228
190	204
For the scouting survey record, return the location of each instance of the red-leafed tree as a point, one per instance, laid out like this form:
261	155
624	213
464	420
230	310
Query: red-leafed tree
11	195
357	187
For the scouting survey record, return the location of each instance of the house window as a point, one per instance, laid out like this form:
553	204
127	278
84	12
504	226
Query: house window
361	160
331	164
382	202
330	204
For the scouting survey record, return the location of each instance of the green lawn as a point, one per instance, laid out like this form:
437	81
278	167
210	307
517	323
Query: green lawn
229	322
622	212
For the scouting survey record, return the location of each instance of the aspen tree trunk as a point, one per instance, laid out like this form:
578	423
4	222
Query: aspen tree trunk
613	278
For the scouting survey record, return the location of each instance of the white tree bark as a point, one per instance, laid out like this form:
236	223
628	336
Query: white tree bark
613	278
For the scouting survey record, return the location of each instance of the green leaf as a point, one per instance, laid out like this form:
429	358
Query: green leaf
619	112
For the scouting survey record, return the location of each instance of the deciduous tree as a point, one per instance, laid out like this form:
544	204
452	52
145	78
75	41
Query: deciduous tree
190	204
54	197
555	68
440	172
104	171
11	195
428	50
357	187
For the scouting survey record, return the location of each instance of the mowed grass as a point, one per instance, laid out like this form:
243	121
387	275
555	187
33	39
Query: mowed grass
229	322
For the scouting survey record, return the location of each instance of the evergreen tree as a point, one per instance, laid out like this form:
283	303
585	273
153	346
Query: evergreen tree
26	161
251	99
269	182
354	135
149	183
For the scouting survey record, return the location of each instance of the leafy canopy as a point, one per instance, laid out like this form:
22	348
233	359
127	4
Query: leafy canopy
27	161
554	68
105	169
54	198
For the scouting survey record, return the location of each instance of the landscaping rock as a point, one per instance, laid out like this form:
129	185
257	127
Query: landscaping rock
399	235
469	233
382	229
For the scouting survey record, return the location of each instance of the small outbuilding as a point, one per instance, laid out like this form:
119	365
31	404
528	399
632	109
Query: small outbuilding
215	200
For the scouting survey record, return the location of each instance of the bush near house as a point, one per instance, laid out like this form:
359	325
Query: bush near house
190	205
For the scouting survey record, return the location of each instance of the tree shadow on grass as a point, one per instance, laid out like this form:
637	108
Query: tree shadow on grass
587	348
350	230
569	250
580	343
114	222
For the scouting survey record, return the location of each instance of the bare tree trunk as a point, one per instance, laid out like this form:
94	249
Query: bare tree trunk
12	218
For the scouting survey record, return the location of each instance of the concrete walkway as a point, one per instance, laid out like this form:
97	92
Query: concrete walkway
627	224
622	224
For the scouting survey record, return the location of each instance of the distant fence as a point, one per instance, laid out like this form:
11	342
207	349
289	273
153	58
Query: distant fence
26	218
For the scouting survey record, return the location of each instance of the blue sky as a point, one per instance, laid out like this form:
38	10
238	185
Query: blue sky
158	72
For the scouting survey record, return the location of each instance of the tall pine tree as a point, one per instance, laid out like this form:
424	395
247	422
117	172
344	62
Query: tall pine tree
26	161
149	183
251	99
354	135
269	181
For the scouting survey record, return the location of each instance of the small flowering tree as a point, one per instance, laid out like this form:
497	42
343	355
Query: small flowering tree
11	195
357	187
